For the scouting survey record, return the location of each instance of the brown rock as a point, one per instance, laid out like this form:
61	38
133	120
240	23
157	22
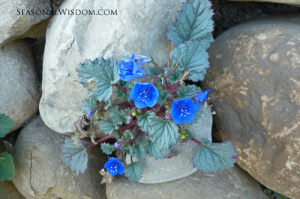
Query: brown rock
255	71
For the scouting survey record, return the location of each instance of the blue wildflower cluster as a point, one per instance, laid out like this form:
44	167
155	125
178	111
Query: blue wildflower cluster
157	103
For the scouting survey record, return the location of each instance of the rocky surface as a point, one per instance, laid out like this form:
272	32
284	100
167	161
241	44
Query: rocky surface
40	172
17	17
179	166
232	183
138	27
19	97
9	191
254	72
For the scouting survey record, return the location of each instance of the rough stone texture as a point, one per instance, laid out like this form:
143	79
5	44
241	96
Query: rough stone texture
19	97
40	172
14	23
291	2
37	31
9	191
139	27
180	166
231	183
255	71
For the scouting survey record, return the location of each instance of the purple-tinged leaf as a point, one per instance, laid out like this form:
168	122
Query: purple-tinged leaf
74	156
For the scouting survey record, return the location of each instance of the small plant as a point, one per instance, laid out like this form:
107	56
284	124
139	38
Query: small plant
275	194
7	168
157	108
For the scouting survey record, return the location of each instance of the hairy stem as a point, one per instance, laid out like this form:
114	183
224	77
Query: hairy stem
196	141
132	123
102	139
120	87
156	65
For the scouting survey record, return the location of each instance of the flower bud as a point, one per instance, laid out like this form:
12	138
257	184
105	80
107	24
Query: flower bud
117	145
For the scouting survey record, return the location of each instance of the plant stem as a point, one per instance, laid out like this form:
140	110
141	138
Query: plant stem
124	128
196	141
120	87
102	139
150	75
160	114
156	65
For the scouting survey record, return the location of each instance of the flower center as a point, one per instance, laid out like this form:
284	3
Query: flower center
184	111
114	168
129	63
144	94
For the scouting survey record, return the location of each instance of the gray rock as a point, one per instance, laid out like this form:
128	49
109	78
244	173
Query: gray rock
232	183
255	71
19	97
40	172
15	20
179	166
139	27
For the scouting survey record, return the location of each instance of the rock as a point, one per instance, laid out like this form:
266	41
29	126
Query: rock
37	31
19	97
17	17
40	172
290	2
254	72
180	166
9	191
231	183
130	30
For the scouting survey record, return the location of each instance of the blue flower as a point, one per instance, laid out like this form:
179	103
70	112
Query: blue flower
114	166
144	95
130	67
91	111
201	97
183	110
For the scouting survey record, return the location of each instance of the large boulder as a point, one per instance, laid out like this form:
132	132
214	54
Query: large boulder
19	97
133	27
18	16
254	72
40	172
232	183
180	165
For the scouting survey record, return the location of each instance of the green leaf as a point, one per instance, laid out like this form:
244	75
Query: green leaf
154	151
108	127
128	134
163	132
193	57
186	91
214	157
103	72
117	134
198	89
119	115
75	156
162	96
5	125
128	149
194	21
143	120
88	104
152	70
134	171
175	77
139	150
107	148
7	168
107	105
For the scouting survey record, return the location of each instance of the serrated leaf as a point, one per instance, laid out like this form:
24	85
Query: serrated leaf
154	151
74	156
162	96
128	134
5	125
128	149
107	148
134	171
119	115
152	70
88	104
186	91
103	72
139	150
163	132
214	157
143	120
198	89
175	77
116	134
107	126
7	168
194	21
193	57
107	105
